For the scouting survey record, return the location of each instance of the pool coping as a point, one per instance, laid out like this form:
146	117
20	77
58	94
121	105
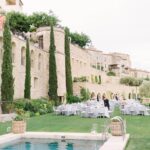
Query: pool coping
118	143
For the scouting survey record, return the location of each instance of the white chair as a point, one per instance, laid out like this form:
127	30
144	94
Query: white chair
132	111
56	111
101	112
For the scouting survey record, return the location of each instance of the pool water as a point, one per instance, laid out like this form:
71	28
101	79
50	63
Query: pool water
46	144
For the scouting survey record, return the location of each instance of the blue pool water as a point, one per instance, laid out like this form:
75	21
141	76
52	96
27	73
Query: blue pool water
46	144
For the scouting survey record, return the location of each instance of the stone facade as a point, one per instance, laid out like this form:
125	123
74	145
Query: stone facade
11	5
89	65
138	73
84	62
39	64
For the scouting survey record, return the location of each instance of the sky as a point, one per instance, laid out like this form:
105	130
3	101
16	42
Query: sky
113	25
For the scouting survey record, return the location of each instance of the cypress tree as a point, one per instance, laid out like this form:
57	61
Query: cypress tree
28	72
67	64
52	68
7	88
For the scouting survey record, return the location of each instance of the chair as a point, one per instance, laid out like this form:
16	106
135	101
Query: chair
56	111
123	111
141	111
101	112
132	111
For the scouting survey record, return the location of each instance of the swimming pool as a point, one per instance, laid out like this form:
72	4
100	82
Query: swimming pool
49	144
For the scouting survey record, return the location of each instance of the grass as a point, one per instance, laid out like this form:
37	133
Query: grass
137	126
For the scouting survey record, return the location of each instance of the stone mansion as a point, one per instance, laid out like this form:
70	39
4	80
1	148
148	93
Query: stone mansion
89	66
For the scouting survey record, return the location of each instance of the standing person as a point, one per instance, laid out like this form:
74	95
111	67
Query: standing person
116	97
98	97
106	102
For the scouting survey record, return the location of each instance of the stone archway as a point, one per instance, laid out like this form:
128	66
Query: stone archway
108	94
92	95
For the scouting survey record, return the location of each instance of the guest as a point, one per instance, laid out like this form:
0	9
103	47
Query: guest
123	103
116	97
98	97
106	102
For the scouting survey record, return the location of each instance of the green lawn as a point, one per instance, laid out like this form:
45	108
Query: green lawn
137	126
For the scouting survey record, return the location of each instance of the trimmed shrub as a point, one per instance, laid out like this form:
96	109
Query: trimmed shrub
100	80
69	85
7	85
80	39
27	83
144	90
111	73
96	79
85	94
80	79
130	81
34	107
73	99
52	69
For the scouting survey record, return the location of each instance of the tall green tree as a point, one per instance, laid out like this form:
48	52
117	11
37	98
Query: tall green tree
27	90
67	64
18	22
144	89
7	88
52	68
40	19
81	39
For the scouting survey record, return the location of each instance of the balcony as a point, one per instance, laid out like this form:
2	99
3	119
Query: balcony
11	2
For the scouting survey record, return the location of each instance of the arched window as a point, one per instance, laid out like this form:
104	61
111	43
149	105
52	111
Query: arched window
13	51
72	60
39	61
80	63
23	56
41	42
32	59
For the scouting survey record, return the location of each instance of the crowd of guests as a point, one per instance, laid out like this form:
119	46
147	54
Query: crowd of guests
104	99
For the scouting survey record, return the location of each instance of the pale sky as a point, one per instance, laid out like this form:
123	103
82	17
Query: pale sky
112	25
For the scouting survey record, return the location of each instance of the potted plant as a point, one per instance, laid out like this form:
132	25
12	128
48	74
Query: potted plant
19	123
117	126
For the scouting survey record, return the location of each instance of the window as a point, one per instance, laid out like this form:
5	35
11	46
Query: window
39	61
32	59
41	42
80	64
13	52
35	82
11	2
23	56
77	62
72	60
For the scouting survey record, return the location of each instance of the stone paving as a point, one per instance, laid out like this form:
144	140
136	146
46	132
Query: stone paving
7	117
